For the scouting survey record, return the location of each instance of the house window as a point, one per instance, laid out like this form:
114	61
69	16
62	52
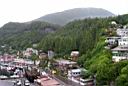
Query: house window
74	73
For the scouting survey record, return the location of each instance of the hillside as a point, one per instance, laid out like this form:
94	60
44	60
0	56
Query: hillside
88	37
64	17
80	34
21	35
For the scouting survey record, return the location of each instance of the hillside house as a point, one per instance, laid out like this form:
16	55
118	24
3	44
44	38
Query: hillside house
122	32
29	51
51	54
112	40
75	76
123	41
113	23
23	62
7	58
120	53
75	72
74	55
43	55
64	65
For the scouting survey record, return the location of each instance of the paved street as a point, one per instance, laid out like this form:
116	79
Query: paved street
6	83
9	83
61	82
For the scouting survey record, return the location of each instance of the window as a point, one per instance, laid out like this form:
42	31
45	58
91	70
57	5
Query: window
124	39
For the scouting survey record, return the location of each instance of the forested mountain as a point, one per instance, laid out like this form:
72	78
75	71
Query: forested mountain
80	34
77	35
64	17
22	35
88	36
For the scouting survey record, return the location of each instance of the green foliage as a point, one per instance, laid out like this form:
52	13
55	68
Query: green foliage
87	36
122	78
22	35
106	71
86	74
34	57
44	63
121	19
80	35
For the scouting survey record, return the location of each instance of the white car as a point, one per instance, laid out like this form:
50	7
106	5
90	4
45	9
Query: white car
27	83
3	77
18	83
14	76
9	68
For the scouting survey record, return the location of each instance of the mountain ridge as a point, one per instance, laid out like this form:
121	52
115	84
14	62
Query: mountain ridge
66	16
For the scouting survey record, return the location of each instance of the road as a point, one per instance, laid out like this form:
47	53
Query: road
6	83
61	82
9	83
52	76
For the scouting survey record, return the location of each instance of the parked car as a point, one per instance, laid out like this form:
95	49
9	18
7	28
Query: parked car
18	83
27	83
14	76
2	77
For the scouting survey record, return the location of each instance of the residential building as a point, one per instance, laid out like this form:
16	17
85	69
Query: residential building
74	55
113	23
122	32
75	72
29	51
123	41
112	40
64	65
87	82
75	76
22	62
43	55
7	58
50	54
120	53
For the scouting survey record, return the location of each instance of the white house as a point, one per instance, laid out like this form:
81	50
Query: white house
112	40
29	51
120	53
75	72
123	41
87	82
122	32
113	23
74	75
75	55
50	54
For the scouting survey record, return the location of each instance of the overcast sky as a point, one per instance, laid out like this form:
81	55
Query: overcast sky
26	10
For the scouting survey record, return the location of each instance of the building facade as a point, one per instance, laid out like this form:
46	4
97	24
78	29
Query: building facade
123	41
122	32
120	53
